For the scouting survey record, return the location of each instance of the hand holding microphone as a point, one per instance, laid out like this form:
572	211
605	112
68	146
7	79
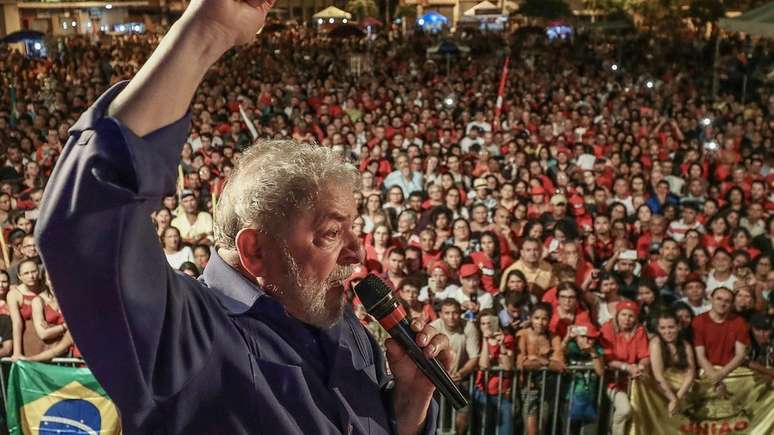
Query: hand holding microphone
413	352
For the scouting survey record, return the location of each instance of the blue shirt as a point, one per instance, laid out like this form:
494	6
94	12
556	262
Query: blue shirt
396	178
177	355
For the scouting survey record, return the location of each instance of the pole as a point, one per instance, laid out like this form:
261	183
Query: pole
501	94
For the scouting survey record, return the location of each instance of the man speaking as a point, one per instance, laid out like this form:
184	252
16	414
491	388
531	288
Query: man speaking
225	355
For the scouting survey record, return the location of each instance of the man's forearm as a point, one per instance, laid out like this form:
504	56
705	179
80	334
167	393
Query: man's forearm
162	90
732	365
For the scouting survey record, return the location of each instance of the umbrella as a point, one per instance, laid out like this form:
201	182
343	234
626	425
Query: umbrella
274	27
22	35
346	31
370	21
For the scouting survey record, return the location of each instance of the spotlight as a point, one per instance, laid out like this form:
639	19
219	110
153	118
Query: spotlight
649	84
614	67
706	122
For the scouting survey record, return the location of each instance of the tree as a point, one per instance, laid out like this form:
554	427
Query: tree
362	8
548	9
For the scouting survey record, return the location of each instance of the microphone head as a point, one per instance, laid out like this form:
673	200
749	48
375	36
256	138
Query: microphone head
372	290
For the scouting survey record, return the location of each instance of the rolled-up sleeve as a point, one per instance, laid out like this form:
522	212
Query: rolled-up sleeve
130	314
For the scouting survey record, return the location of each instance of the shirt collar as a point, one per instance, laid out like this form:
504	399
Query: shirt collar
234	291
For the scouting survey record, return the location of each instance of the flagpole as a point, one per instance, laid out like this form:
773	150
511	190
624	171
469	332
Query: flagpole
501	94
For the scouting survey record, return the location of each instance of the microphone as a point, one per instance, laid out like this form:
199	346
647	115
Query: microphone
380	303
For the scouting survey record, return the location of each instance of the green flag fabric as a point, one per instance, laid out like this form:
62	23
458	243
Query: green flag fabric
47	399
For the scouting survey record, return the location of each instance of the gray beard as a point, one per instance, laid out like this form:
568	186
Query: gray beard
313	299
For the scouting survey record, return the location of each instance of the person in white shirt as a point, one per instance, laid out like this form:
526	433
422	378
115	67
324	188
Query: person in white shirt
472	138
695	297
721	274
678	229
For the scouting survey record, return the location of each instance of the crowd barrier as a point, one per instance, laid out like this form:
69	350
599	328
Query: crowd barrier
496	413
555	399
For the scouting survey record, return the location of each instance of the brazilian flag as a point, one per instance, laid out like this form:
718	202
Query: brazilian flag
47	399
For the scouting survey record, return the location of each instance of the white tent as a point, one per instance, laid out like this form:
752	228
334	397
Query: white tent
483	8
757	22
332	12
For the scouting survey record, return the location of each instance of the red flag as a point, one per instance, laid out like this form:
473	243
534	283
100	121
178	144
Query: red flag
501	94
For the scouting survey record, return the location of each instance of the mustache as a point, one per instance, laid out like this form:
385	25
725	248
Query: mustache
341	273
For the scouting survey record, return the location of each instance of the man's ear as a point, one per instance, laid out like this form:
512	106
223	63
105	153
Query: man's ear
249	244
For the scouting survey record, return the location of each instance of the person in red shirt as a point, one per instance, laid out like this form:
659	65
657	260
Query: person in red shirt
720	338
567	313
498	349
625	343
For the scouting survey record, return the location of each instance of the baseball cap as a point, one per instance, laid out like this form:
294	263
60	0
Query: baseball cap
537	190
469	270
628	305
186	193
558	199
480	182
439	264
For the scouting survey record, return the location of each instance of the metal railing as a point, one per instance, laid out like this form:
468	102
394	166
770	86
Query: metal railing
555	400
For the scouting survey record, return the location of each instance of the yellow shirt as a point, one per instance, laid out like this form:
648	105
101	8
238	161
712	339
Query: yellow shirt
543	275
202	225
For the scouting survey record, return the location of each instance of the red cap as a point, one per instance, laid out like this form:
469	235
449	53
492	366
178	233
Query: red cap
467	270
537	190
628	305
564	150
438	264
694	277
578	204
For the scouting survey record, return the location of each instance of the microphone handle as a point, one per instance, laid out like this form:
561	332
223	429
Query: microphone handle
403	333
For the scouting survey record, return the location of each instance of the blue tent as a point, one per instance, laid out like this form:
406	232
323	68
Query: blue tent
432	21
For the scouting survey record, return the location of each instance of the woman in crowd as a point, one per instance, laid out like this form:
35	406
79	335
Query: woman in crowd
650	304
453	201
538	349
163	220
373	214
189	269
677	276
462	237
670	352
175	253
626	350
441	219
25	338
48	320
490	260
493	390
684	314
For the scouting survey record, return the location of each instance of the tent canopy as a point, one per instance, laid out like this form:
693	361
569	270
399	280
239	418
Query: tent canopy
332	12
757	22
483	8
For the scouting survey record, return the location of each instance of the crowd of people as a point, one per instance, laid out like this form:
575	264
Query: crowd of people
614	216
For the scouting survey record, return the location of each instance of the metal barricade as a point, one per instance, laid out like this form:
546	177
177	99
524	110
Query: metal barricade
554	395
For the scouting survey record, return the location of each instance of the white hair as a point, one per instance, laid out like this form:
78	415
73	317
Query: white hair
272	181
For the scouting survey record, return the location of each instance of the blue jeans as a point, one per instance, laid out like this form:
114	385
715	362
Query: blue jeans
502	420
